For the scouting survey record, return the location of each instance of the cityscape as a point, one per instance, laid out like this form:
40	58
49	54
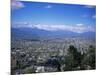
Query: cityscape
52	37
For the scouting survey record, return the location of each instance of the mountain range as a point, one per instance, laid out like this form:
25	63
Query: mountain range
34	33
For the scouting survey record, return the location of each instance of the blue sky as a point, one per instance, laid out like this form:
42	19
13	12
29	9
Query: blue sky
53	16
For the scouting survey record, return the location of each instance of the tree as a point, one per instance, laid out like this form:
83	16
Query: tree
90	57
73	59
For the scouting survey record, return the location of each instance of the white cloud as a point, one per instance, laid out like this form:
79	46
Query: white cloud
85	16
80	24
15	4
78	28
89	6
94	16
89	16
48	6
